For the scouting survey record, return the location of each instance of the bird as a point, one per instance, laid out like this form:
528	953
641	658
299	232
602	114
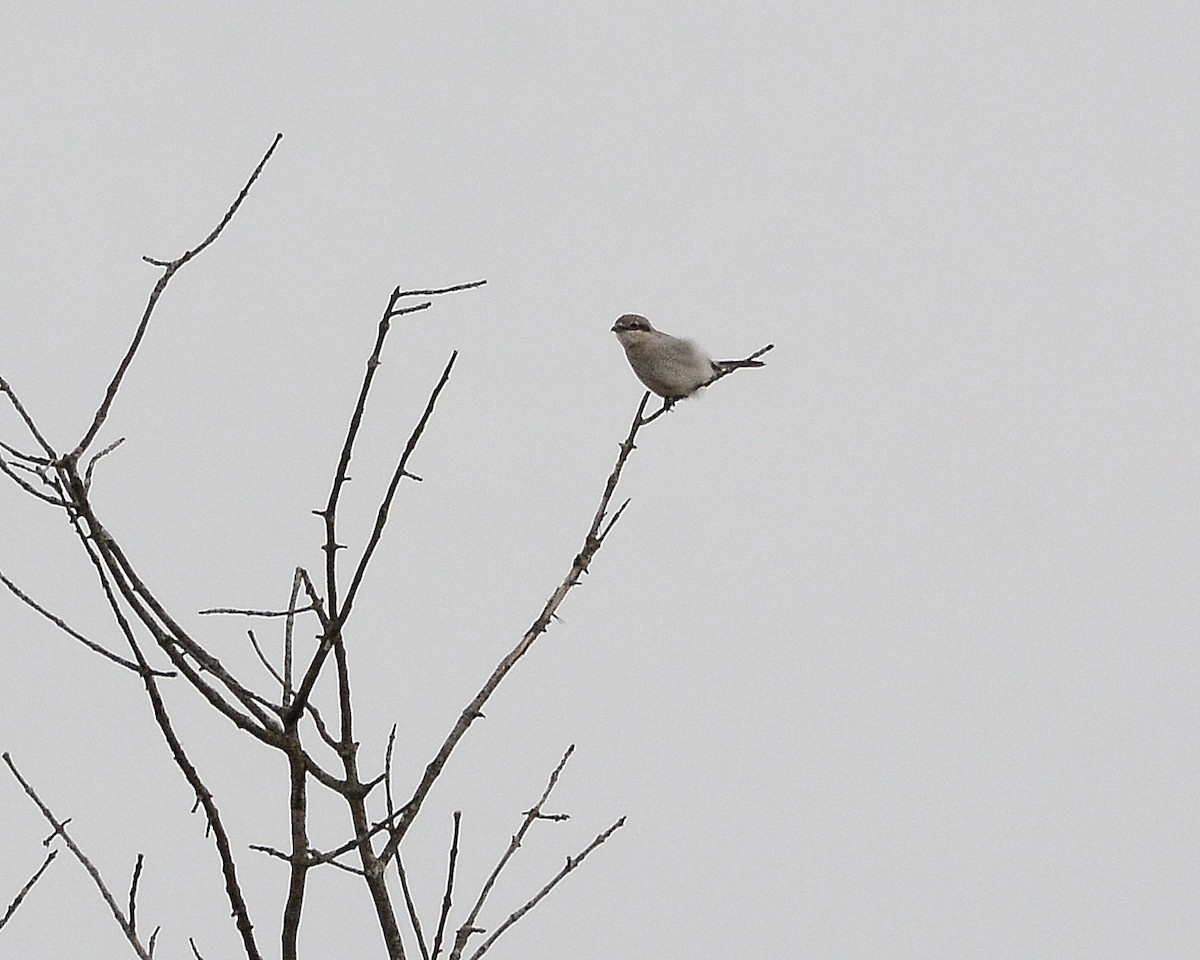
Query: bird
672	367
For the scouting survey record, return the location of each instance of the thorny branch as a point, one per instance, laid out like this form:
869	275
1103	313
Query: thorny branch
277	725
534	813
594	538
170	267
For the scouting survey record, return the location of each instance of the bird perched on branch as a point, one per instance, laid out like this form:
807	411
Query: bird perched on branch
671	367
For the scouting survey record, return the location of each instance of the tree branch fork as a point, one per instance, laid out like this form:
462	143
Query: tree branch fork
286	719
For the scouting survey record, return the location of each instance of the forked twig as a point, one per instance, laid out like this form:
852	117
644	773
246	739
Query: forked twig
571	864
467	928
169	269
60	829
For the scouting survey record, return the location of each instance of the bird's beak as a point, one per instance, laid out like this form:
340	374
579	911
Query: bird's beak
614	328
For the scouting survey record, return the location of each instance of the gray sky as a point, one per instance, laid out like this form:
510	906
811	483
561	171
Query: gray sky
893	653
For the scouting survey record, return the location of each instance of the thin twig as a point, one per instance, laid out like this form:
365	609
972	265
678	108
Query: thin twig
571	864
262	658
309	861
28	487
446	900
387	773
110	574
532	814
736	365
385	506
28	460
60	829
341	474
316	857
399	294
133	888
34	432
247	612
12	907
87	475
169	269
413	917
72	632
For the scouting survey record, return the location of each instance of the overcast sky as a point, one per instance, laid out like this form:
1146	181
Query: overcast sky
893	654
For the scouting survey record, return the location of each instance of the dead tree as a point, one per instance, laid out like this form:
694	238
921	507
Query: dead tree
378	812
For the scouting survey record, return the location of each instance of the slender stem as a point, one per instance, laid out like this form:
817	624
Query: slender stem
169	269
60	829
24	891
592	541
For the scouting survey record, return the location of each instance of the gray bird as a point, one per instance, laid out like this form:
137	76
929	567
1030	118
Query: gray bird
671	367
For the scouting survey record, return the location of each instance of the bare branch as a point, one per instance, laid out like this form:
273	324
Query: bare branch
571	864
385	506
399	294
87	476
446	900
34	432
169	269
338	616
110	561
298	861
413	918
12	907
71	632
27	459
133	888
28	487
532	814
341	474
60	829
204	798
592	542
246	612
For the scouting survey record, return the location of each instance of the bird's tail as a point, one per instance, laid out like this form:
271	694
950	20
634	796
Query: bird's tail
725	365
